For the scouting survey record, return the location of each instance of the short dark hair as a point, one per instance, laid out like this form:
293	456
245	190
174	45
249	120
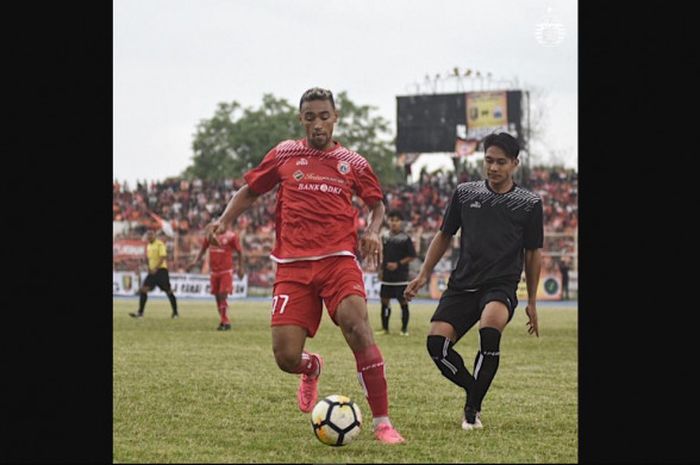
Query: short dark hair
505	141
395	214
317	93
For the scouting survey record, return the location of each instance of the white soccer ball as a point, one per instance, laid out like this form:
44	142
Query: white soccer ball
336	420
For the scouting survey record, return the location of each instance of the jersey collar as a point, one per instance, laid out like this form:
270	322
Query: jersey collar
336	145
512	188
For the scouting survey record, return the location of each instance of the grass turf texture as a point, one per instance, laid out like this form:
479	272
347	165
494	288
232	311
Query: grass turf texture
184	392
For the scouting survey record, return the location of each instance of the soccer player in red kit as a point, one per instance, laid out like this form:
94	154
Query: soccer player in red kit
315	252
221	249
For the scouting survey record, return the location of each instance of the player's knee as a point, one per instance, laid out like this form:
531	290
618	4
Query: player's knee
358	334
286	359
354	328
437	347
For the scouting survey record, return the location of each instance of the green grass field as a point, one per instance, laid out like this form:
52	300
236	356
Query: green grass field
184	392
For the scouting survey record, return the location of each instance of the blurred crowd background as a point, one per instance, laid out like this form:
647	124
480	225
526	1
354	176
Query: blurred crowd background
188	205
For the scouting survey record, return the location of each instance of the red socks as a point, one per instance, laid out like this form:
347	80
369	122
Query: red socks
223	307
370	372
309	364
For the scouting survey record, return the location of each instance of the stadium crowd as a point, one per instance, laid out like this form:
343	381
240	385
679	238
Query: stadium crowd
187	206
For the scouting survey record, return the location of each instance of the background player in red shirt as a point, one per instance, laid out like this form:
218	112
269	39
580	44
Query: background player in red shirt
221	249
315	250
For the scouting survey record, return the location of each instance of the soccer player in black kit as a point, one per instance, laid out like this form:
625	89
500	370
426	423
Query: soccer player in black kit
398	251
502	229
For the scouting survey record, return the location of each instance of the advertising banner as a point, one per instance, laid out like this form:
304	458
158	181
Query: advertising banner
486	112
124	249
372	285
438	283
127	283
549	287
464	148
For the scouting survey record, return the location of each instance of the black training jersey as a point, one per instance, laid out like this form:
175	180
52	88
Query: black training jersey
495	230
396	247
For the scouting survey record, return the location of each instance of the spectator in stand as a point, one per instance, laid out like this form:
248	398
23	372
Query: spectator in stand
421	204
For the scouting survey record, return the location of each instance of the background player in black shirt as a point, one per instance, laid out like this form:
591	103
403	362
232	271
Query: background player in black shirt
398	251
501	227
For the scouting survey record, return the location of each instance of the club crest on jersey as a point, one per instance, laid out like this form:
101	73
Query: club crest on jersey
343	167
298	175
302	161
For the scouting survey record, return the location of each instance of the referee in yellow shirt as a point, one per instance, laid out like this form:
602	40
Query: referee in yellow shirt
157	255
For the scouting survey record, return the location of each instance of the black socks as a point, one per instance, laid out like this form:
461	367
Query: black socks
404	317
142	301
386	313
485	365
449	362
173	302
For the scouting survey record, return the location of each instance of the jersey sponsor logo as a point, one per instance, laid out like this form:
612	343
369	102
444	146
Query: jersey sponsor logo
316	177
302	162
298	175
343	167
320	187
475	204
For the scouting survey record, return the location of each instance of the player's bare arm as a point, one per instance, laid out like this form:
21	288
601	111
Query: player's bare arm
438	247
197	258
241	262
533	264
242	200
370	245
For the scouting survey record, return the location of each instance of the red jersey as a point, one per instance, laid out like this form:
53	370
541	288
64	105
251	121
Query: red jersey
221	256
315	217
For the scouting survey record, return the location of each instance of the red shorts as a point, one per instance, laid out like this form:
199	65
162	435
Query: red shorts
221	282
301	288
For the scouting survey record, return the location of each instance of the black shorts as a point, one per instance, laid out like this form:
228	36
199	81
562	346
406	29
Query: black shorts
160	278
392	292
463	309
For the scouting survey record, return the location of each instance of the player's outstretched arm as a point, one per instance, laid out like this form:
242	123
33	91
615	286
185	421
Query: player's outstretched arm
533	264
240	202
436	250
